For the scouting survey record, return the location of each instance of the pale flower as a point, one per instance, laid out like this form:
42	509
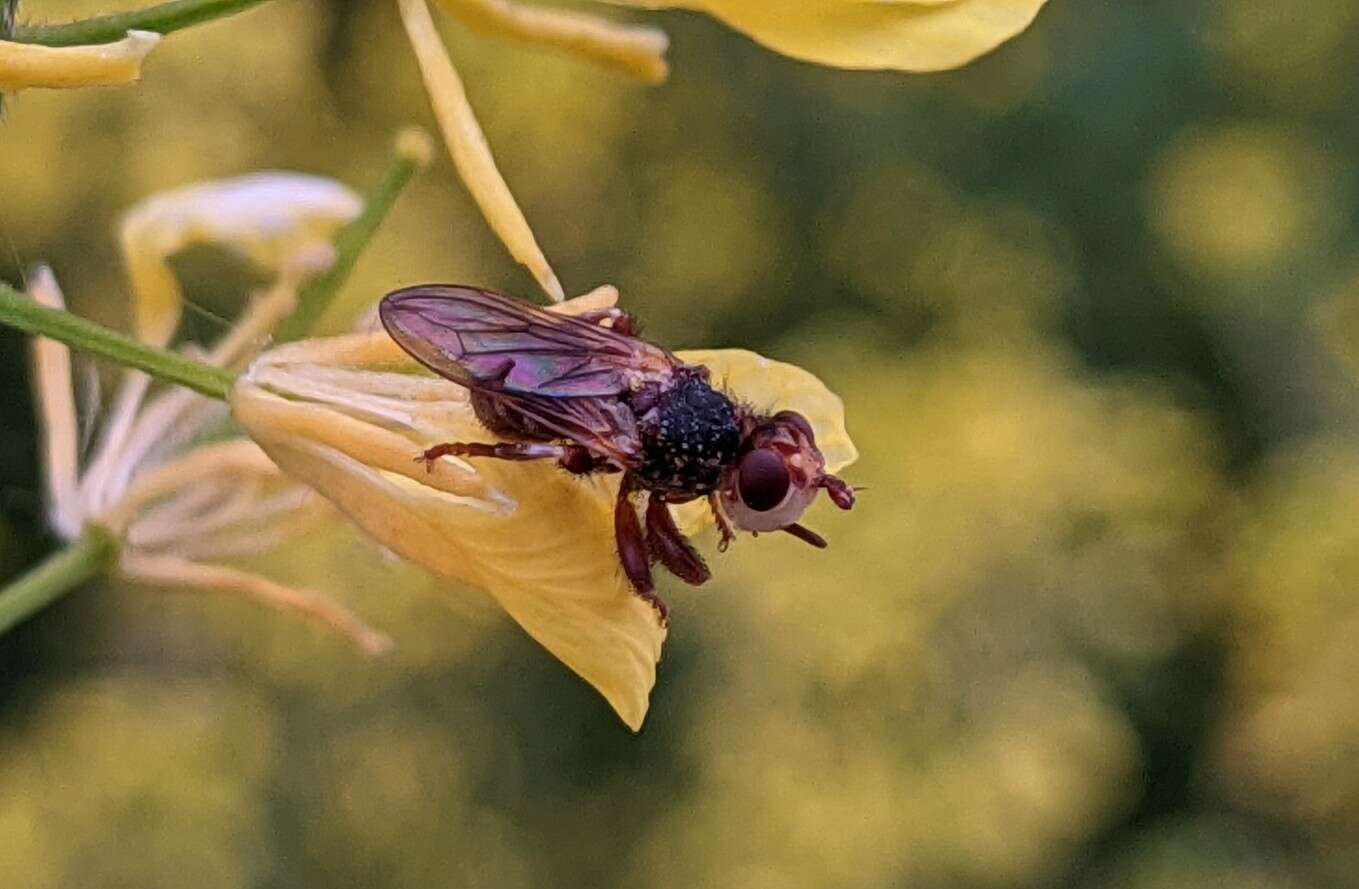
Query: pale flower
176	499
350	415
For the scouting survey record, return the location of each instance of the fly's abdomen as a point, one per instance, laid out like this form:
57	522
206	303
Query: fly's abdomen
689	438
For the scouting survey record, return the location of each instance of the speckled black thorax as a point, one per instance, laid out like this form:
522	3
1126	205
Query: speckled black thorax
690	434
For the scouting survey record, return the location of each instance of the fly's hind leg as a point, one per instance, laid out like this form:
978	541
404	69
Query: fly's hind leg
572	458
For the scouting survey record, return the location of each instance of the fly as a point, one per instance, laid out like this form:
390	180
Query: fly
587	392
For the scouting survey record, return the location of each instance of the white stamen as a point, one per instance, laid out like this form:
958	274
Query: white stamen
55	397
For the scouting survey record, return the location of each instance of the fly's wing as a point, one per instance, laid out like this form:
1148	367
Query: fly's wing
486	341
604	426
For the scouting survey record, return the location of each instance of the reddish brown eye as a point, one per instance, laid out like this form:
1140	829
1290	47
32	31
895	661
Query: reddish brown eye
762	480
797	421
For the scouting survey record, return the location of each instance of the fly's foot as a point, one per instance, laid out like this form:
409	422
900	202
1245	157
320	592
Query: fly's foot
723	525
650	598
448	449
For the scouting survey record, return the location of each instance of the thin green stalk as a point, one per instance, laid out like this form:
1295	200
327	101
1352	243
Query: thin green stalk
318	293
18	311
93	553
162	18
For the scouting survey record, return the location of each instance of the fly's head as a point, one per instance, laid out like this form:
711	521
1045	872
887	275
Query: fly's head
778	475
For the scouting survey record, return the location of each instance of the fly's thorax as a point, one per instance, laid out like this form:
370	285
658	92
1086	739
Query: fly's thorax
691	434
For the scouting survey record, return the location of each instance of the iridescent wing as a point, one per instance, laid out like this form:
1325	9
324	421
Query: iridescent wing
604	426
490	342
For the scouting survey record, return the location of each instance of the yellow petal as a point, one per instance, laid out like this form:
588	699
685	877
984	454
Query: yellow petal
266	217
640	51
907	35
468	148
24	65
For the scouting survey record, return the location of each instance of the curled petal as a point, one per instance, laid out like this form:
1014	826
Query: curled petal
270	218
906	35
24	65
638	50
468	148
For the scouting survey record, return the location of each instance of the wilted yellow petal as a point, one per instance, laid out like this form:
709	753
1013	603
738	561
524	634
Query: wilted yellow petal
266	217
638	50
348	416
24	65
468	148
907	35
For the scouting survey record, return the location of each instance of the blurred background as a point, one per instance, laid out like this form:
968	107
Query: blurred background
1093	305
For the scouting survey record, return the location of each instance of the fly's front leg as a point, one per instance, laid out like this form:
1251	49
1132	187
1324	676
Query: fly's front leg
668	544
723	526
632	550
622	322
573	458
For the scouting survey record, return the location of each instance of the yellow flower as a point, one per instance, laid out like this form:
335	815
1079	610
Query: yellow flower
25	65
906	35
177	500
349	416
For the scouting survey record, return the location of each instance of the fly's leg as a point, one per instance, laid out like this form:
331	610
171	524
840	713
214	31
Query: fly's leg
622	322
668	544
573	458
723	526
632	551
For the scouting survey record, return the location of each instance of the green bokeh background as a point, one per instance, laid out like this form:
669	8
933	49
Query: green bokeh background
1092	304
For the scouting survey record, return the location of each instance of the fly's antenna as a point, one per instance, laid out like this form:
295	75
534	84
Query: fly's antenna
841	494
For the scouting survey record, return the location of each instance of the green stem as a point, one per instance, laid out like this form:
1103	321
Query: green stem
162	18
18	311
93	553
318	293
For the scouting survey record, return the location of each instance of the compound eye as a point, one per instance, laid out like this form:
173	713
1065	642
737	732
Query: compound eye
762	480
797	421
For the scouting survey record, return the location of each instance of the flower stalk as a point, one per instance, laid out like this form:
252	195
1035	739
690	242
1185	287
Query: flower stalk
163	18
88	556
19	312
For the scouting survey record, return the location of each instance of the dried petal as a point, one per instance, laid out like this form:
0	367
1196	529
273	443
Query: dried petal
25	65
906	35
269	218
